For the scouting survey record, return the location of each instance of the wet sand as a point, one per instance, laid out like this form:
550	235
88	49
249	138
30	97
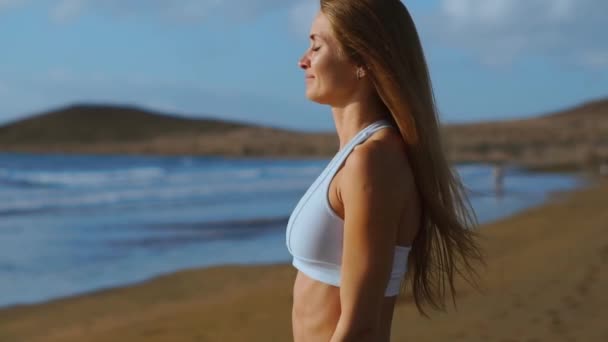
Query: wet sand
546	280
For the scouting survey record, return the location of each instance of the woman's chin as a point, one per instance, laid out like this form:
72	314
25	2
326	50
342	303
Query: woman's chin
310	95
314	97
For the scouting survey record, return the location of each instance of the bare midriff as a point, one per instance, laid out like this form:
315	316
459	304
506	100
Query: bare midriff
316	311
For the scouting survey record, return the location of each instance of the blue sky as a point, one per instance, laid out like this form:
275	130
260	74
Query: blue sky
489	59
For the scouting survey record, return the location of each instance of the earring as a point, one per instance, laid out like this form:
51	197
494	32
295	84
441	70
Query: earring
360	73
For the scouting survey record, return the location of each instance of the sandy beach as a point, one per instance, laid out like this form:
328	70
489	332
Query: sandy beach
544	282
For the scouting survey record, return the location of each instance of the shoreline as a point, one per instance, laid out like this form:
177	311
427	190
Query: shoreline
568	165
547	197
569	138
567	168
524	292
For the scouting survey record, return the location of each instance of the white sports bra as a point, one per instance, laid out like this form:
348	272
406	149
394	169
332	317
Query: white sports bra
314	233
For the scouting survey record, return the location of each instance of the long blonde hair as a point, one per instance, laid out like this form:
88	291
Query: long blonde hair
381	35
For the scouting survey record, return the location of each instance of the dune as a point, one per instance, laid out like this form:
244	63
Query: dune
110	129
568	139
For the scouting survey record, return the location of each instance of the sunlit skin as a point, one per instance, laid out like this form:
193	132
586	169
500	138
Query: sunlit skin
373	192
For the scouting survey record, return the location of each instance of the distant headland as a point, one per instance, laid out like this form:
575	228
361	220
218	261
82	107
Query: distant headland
566	139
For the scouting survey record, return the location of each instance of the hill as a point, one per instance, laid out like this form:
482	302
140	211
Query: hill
91	124
573	137
591	109
565	139
130	130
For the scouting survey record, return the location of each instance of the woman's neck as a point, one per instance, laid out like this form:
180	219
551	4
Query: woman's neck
354	117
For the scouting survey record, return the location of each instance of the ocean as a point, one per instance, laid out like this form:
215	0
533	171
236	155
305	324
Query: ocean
71	224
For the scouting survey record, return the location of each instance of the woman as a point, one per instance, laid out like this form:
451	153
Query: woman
388	201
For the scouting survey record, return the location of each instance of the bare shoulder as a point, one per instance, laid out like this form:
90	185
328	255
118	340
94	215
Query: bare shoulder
379	188
380	164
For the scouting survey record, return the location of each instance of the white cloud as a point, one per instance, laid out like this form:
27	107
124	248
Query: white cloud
61	86
3	88
6	4
464	10
501	31
597	59
67	10
60	75
175	10
302	14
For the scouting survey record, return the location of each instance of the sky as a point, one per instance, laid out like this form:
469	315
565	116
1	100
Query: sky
237	60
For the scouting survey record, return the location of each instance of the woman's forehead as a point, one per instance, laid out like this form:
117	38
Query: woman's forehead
320	27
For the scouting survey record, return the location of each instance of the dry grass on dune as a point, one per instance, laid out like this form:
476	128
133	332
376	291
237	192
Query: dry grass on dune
568	139
544	282
573	138
241	142
126	130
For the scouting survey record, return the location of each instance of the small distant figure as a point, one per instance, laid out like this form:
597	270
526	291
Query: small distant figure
604	169
498	174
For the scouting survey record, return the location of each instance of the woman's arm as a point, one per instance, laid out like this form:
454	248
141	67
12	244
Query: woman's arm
372	209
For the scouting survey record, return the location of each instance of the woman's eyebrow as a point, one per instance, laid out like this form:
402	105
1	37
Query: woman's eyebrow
315	35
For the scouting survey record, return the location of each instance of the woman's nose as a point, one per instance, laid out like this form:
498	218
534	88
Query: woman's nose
304	62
